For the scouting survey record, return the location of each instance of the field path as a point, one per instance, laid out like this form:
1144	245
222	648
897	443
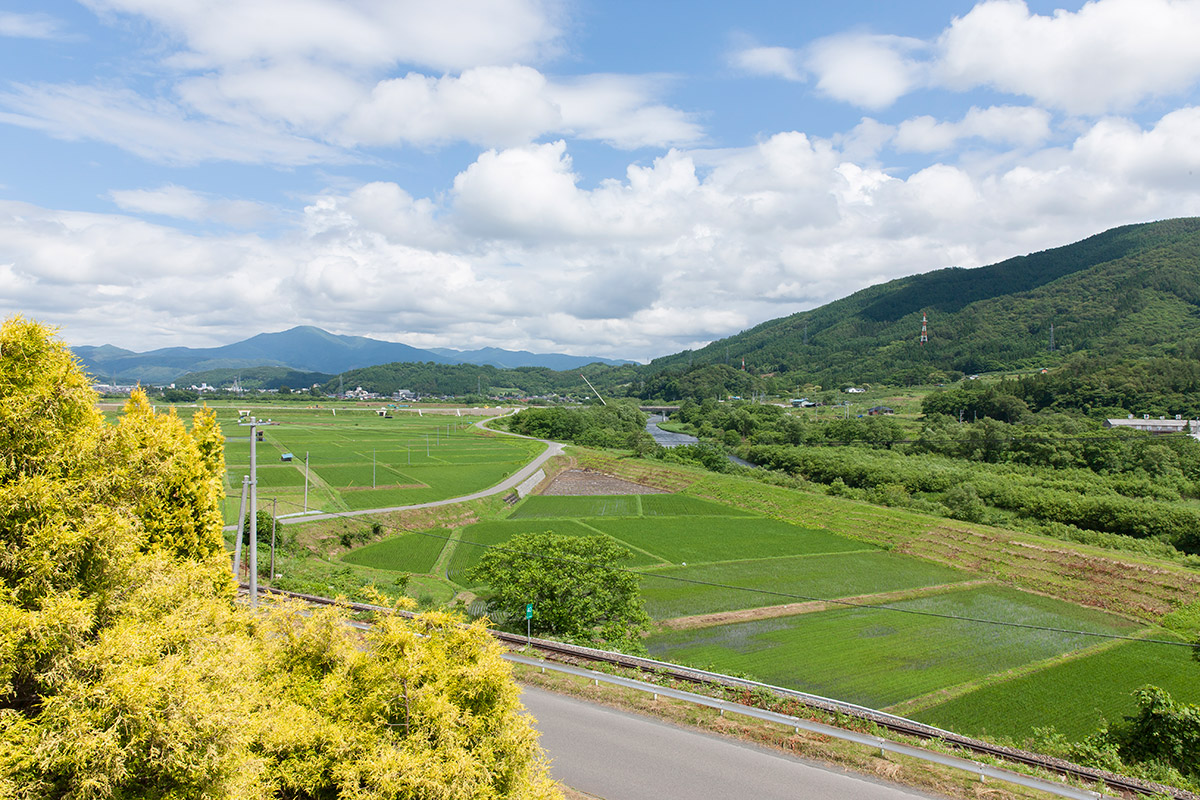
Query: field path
809	606
512	481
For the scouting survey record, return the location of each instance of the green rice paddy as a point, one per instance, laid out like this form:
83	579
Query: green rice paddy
477	539
359	460
1076	696
410	552
727	586
678	505
877	657
625	505
696	540
554	507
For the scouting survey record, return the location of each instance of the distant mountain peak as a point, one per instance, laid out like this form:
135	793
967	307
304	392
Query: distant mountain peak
305	348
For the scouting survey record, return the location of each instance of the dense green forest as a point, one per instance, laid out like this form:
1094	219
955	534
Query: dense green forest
457	380
1052	472
1131	292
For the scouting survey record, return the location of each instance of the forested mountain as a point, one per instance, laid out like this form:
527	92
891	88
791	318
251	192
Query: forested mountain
467	379
1121	297
1130	292
511	359
303	348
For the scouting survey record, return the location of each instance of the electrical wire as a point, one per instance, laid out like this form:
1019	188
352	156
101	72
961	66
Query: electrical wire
777	593
788	595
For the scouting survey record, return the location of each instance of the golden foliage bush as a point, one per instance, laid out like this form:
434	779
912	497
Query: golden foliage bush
128	671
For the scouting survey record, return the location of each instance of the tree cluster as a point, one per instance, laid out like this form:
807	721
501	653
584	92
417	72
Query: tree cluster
616	425
128	670
1160	742
577	587
1127	506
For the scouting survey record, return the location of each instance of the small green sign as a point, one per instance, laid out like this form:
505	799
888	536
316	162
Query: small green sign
529	611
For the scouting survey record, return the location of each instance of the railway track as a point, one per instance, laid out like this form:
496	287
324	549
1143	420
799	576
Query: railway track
898	725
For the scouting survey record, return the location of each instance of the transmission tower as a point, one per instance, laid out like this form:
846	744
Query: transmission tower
924	328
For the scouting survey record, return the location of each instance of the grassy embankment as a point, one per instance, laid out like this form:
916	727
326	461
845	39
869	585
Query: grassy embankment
751	548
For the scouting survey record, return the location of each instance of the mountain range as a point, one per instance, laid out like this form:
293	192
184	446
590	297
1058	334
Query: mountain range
303	349
1129	292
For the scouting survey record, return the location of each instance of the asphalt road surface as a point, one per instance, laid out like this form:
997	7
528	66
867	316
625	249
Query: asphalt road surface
620	756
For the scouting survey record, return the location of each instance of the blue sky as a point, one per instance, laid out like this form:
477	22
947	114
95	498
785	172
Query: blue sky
606	178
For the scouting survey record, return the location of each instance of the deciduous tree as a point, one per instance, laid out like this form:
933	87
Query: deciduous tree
127	670
576	584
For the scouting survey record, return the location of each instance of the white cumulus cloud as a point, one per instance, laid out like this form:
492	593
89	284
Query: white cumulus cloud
1110	55
1011	125
183	203
446	35
867	70
29	26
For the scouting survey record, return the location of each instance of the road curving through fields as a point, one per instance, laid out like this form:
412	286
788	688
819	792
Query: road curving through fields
511	482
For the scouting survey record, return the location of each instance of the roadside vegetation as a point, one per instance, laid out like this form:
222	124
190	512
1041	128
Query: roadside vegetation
127	669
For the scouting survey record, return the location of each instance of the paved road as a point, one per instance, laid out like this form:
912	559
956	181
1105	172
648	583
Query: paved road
511	482
620	756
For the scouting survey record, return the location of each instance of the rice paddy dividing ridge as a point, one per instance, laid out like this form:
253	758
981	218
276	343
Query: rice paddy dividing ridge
877	657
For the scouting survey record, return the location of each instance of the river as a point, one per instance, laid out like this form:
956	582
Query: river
672	439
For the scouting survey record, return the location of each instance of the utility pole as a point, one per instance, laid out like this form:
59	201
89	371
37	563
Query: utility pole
253	516
305	481
241	526
372	467
254	424
272	539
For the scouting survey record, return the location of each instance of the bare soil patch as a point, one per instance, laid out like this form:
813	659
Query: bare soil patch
592	482
808	606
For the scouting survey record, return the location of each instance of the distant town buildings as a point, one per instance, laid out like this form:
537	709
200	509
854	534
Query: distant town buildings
1160	425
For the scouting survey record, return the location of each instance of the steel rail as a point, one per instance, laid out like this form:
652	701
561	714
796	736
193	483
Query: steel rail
890	722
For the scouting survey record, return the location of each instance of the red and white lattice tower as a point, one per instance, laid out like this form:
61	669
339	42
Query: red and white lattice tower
924	329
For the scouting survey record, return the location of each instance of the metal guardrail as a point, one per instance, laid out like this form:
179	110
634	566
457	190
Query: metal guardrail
874	742
887	721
